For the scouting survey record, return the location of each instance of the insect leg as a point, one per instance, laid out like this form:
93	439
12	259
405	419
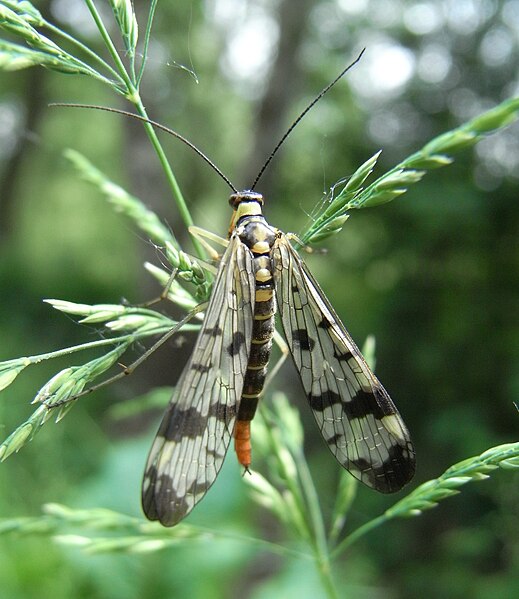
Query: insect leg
202	235
164	293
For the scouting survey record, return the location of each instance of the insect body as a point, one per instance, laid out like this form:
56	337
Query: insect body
217	394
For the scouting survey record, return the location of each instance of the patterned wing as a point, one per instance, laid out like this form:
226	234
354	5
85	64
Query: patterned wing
194	435
355	414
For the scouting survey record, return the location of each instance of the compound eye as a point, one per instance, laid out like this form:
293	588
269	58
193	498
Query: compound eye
236	199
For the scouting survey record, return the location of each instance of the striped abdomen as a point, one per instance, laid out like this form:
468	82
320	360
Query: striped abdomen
259	238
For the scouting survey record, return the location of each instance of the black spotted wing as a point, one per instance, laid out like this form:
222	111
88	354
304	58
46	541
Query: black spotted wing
355	414
194	435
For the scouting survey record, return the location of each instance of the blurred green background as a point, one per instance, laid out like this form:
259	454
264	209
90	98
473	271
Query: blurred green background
432	275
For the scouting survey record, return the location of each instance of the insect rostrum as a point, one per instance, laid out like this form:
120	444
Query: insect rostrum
216	397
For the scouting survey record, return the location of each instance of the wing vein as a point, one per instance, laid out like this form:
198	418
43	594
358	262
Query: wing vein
196	430
355	414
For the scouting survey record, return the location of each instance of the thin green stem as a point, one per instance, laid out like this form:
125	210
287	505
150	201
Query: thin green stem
316	517
292	482
301	507
56	516
99	343
304	508
312	500
260	543
323	567
147	35
88	51
346	494
172	181
130	90
357	534
132	70
134	97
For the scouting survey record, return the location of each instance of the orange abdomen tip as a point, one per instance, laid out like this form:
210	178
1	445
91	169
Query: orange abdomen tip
242	444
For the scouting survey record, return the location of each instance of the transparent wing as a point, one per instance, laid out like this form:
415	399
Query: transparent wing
194	435
355	414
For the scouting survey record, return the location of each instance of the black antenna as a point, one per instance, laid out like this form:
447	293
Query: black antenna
293	125
157	126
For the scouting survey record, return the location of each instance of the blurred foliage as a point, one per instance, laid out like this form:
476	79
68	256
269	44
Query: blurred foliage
433	275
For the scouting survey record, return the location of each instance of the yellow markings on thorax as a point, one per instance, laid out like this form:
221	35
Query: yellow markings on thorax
251	208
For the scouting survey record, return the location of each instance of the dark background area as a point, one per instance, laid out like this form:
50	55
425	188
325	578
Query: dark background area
432	275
